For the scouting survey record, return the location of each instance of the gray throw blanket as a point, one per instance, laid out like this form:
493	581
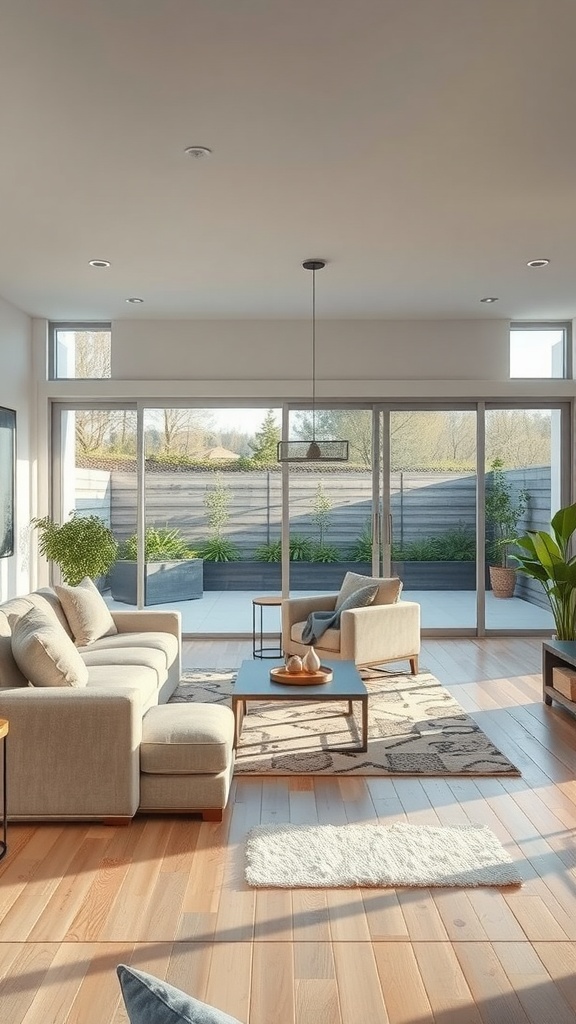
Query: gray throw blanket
318	622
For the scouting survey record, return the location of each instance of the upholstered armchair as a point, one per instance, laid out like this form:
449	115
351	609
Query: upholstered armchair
371	635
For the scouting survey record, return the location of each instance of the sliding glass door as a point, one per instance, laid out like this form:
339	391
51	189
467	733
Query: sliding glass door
418	498
428	510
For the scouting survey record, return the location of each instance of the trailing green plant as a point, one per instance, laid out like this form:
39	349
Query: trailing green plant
326	553
161	544
504	509
82	546
546	557
219	549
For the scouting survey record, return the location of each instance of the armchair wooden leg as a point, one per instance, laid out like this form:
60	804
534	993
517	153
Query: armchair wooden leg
414	665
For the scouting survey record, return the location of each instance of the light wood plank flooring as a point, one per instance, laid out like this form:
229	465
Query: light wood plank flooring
167	894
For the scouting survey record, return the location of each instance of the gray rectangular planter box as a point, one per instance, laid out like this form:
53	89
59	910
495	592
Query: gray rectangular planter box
164	582
327	577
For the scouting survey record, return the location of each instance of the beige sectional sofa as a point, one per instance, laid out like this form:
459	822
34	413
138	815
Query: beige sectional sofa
88	751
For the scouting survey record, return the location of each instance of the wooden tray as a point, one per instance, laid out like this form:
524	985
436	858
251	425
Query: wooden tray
280	675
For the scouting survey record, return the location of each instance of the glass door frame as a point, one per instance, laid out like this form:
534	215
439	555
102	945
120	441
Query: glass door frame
381	526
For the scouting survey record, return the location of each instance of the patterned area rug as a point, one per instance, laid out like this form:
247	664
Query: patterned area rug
415	727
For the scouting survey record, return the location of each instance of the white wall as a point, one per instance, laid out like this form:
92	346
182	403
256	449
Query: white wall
346	350
15	389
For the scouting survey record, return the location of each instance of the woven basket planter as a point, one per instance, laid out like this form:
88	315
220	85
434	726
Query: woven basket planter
502	581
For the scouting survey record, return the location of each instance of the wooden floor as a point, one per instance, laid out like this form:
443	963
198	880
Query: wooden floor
168	895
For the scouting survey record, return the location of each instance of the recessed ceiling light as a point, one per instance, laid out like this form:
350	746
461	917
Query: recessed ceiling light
197	151
490	298
538	263
135	299
100	263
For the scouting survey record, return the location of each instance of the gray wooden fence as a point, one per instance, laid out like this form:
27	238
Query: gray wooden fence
422	504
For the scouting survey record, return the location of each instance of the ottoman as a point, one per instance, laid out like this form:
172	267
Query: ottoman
186	759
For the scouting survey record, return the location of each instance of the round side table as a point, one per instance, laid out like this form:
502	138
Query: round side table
258	648
4	841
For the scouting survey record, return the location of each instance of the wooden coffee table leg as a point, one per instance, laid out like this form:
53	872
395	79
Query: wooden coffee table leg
238	710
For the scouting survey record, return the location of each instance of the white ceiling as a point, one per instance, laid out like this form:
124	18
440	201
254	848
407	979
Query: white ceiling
425	148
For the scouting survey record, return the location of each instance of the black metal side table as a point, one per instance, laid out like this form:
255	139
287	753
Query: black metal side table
4	727
258	648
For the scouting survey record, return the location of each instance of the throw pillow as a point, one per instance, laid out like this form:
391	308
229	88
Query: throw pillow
151	1001
44	652
88	614
389	588
319	622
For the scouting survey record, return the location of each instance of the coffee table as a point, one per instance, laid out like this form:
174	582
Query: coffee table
253	683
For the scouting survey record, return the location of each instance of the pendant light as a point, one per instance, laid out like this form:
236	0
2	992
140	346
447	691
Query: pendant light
313	450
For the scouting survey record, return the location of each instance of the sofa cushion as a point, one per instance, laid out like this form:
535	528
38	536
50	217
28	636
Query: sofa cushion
186	739
10	674
87	612
44	652
388	592
47	600
329	641
146	657
148	1000
138	677
165	642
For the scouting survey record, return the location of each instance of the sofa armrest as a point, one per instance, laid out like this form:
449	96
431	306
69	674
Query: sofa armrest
73	753
145	621
381	632
297	609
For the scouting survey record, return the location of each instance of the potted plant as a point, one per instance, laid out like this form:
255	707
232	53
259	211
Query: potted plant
504	510
546	557
82	546
172	571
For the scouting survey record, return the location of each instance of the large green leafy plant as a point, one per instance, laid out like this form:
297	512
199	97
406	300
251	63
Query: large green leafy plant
546	557
82	546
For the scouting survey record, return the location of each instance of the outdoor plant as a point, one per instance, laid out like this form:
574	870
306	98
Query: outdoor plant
300	548
325	553
321	507
271	551
218	548
161	544
82	546
504	510
546	557
361	550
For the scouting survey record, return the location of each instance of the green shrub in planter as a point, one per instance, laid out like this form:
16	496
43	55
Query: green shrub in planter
325	553
269	552
219	549
160	545
82	546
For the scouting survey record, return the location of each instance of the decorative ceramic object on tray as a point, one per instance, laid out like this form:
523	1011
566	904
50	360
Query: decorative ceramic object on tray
311	661
284	674
294	665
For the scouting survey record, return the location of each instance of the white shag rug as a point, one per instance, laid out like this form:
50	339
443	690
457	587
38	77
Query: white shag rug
333	856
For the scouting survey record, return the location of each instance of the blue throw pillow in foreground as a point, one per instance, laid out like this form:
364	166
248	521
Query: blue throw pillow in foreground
151	1001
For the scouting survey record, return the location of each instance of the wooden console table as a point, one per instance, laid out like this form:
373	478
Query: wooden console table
557	653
